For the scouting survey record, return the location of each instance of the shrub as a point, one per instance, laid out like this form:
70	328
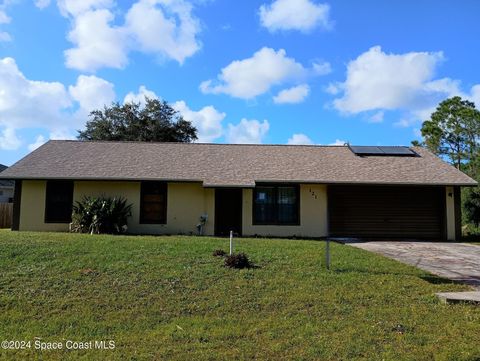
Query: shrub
472	206
101	215
238	260
219	253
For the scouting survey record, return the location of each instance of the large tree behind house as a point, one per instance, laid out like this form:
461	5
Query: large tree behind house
156	121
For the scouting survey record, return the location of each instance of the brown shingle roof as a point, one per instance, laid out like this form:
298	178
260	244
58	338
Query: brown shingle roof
229	165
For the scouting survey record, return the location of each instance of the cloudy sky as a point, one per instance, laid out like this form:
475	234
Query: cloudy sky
267	71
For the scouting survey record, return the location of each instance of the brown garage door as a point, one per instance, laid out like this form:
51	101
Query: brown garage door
386	211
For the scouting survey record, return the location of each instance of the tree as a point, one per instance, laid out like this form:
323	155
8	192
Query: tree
453	131
157	121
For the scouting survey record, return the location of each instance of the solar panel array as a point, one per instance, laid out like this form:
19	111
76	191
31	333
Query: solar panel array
382	151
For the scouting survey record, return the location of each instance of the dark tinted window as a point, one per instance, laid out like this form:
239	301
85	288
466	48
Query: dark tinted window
153	203
276	205
58	202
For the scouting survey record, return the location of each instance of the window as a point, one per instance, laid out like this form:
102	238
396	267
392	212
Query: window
58	202
153	203
276	205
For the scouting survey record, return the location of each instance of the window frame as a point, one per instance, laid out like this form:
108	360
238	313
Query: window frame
50	186
276	221
143	192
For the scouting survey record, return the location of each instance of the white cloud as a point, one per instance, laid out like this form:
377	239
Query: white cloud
92	92
299	139
207	120
39	141
322	68
41	4
377	117
9	140
253	76
380	81
27	103
292	95
334	88
376	80
171	37
98	44
475	95
5	37
62	133
247	132
406	122
165	28
139	97
302	15
75	7
338	142
4	19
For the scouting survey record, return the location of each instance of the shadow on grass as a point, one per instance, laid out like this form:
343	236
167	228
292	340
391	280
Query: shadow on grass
430	278
436	280
372	272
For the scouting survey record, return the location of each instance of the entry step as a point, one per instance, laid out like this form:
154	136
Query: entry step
458	297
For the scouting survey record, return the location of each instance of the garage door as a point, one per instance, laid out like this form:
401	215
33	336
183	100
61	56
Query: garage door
386	212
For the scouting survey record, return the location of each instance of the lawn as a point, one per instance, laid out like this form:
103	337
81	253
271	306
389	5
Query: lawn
169	298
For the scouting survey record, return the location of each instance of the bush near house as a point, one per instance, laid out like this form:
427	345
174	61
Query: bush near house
167	298
101	215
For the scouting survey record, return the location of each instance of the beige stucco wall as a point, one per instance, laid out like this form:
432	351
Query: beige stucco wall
450	210
186	202
32	209
313	215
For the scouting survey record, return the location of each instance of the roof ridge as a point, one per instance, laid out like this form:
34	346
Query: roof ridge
220	144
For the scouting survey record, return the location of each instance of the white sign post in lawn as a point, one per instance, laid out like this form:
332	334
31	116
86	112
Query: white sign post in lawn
231	243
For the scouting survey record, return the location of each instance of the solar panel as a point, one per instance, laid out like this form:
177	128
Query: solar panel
397	151
362	150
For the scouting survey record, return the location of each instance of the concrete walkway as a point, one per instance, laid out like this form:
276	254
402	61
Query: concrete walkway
459	262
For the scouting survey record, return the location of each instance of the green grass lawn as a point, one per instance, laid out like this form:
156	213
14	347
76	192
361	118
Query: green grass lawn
169	298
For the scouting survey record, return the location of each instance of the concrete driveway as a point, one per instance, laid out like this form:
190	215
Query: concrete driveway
459	262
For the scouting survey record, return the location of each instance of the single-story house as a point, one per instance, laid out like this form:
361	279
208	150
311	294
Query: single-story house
6	188
268	190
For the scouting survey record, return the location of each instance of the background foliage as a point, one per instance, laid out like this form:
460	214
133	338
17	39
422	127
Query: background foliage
156	121
453	132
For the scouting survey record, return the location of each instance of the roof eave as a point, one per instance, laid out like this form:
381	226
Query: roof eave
209	184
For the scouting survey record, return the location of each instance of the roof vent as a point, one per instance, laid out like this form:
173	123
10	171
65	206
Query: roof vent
380	151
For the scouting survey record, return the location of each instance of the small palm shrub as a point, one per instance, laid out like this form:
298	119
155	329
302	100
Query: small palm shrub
238	260
101	215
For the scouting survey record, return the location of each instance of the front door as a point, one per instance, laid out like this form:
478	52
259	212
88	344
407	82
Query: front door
228	211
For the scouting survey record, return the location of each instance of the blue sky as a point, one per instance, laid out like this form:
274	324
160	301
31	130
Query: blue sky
268	71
